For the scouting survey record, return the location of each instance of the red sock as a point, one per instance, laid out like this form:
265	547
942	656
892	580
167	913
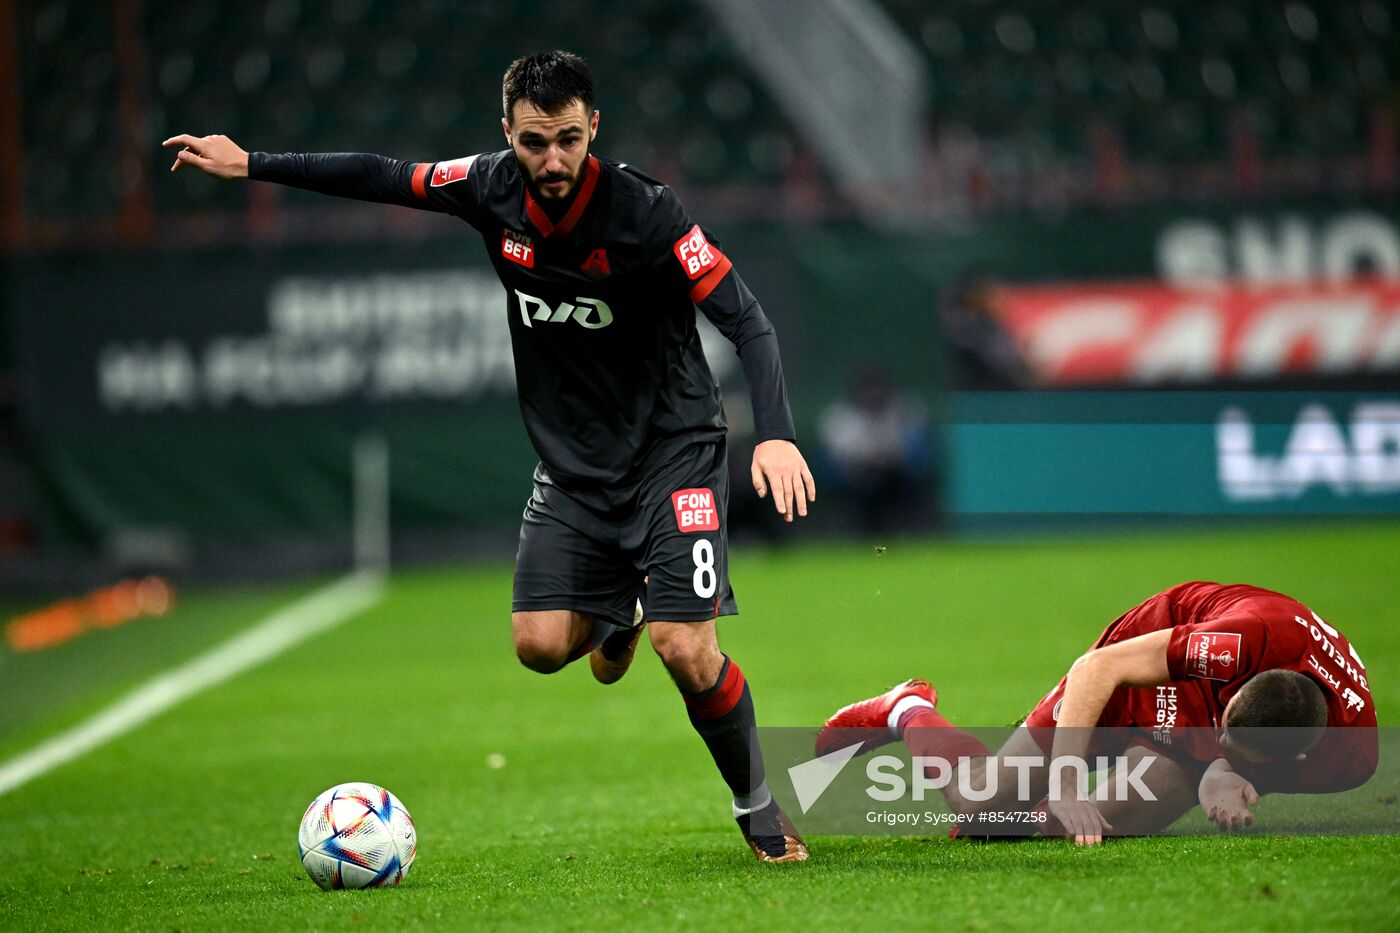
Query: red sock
723	716
719	700
927	733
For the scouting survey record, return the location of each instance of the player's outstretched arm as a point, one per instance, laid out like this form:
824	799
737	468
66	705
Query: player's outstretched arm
778	466
715	288
217	155
1137	662
359	175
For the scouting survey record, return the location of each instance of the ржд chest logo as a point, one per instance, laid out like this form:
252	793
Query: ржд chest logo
591	313
596	266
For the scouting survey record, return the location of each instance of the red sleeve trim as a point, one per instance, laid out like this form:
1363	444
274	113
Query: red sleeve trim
420	175
701	289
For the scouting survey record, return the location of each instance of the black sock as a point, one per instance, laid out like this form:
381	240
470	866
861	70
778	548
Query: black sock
724	717
617	643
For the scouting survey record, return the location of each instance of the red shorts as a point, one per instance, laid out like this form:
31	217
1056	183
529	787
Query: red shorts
1042	720
1116	729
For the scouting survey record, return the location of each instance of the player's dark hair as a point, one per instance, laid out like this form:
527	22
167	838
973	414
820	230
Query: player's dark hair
1277	714
550	81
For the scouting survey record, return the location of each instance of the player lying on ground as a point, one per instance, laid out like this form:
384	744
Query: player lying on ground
1203	676
603	270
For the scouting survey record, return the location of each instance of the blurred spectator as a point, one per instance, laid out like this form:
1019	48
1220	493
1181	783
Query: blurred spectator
876	444
981	353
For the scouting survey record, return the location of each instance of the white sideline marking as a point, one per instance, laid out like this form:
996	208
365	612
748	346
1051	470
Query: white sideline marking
319	611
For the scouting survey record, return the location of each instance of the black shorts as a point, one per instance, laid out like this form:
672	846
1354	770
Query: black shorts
590	550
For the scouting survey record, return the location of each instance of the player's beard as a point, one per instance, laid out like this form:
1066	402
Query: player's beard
543	194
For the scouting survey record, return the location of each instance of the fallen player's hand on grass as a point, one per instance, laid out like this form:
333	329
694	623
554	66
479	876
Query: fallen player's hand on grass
1226	796
778	465
1082	821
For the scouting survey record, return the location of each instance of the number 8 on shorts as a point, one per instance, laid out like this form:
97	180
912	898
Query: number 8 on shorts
704	555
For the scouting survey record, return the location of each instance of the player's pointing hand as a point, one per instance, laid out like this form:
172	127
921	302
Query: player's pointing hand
778	465
217	155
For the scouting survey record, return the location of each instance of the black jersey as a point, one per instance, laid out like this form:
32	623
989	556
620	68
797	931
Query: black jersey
601	301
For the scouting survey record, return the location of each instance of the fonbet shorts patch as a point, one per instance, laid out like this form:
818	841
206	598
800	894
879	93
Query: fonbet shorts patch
590	550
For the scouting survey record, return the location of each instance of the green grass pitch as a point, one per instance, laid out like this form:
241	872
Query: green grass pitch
607	812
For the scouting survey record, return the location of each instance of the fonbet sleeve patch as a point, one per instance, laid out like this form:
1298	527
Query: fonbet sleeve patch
695	253
1213	655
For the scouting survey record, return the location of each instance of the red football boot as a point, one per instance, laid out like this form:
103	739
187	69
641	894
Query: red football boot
868	720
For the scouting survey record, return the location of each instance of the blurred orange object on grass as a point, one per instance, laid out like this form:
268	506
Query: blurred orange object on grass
107	607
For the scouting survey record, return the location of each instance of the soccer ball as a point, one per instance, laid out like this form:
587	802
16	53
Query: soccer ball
357	836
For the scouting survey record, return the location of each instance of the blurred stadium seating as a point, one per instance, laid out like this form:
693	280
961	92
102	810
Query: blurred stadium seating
1133	100
1148	100
1033	104
417	79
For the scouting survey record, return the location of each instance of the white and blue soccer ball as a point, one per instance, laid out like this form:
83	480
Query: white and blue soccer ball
357	835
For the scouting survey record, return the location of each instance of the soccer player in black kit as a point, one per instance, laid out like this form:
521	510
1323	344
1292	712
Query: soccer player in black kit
603	269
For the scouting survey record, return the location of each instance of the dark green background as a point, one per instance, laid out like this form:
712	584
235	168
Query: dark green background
842	296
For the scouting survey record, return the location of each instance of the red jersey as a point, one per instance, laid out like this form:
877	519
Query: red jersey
1222	635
